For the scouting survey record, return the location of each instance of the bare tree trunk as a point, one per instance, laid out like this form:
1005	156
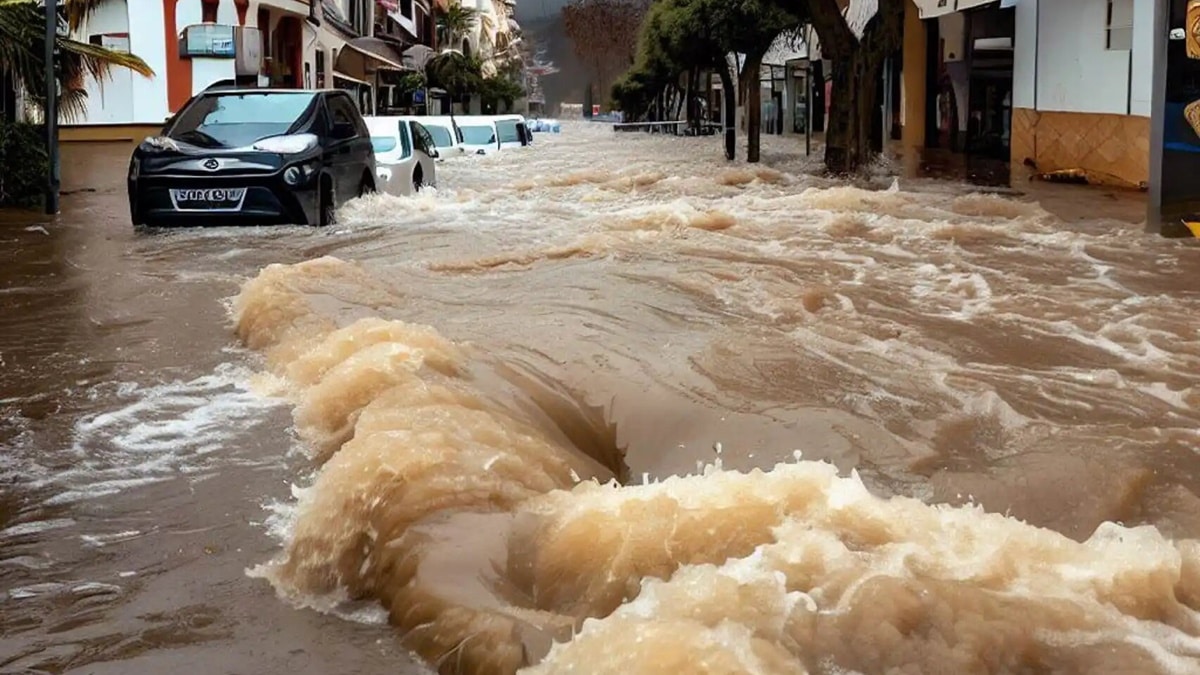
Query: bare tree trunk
856	69
752	85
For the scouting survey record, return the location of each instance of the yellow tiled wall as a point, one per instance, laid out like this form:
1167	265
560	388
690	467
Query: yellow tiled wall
1112	149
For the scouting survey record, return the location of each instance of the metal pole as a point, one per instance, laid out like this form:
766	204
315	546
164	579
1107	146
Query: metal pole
1158	106
50	109
808	90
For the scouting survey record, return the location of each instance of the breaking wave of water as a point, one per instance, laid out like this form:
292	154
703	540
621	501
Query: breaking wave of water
483	508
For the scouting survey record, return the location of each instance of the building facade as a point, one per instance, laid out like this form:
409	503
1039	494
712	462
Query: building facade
1043	85
194	44
1082	87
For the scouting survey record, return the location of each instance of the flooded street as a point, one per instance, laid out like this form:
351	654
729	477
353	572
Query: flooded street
206	435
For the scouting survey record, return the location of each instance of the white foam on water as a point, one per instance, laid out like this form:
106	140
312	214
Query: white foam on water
162	431
102	540
35	527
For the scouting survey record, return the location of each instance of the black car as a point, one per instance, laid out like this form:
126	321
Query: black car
254	156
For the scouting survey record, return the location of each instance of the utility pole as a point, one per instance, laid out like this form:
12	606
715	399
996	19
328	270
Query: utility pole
50	109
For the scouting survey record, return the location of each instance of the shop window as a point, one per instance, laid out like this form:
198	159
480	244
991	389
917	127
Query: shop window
208	11
1118	30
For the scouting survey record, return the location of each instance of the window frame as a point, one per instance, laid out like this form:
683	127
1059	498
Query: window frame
356	121
1122	31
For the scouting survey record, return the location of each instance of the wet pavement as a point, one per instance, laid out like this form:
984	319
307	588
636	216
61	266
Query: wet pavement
626	307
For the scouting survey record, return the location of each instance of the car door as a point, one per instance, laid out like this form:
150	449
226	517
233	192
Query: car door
425	151
346	154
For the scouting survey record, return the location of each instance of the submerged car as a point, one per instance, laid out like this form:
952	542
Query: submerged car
511	130
478	134
446	136
253	156
404	154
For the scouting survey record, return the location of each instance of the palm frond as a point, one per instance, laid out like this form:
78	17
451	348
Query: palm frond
19	30
22	41
98	60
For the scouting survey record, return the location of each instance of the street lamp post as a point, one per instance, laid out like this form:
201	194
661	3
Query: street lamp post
50	110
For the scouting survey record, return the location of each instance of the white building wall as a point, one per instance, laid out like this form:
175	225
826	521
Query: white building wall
146	39
1141	82
129	98
1075	71
1025	49
112	101
206	71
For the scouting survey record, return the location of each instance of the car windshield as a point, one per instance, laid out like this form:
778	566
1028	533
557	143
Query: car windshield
475	135
234	120
508	131
441	136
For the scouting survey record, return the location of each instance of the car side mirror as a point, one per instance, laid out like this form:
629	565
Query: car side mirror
433	152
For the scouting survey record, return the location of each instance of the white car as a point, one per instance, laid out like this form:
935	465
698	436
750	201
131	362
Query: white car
446	136
512	131
479	135
404	155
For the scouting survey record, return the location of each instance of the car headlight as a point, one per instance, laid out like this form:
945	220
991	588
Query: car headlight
287	145
299	174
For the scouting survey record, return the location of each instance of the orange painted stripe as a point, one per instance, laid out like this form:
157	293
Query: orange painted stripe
179	71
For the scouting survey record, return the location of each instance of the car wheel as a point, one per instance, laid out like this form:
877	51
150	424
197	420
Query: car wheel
366	187
327	205
418	180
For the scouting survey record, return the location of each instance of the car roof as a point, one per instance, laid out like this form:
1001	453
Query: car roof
269	90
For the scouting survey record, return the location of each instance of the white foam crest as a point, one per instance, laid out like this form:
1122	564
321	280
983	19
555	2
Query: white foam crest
166	430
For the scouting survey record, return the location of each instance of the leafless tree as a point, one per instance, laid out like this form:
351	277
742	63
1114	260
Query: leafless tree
604	34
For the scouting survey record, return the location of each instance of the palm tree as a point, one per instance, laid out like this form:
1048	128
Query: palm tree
455	73
22	52
456	21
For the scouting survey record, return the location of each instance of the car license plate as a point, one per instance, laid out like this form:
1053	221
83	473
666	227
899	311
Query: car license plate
212	199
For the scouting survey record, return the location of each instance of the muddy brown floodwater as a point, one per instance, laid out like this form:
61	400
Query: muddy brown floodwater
603	405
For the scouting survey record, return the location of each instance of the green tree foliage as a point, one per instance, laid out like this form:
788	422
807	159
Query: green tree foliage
455	22
23	158
679	38
499	89
22	52
459	76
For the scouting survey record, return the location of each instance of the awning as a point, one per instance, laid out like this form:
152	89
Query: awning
342	76
416	56
379	51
